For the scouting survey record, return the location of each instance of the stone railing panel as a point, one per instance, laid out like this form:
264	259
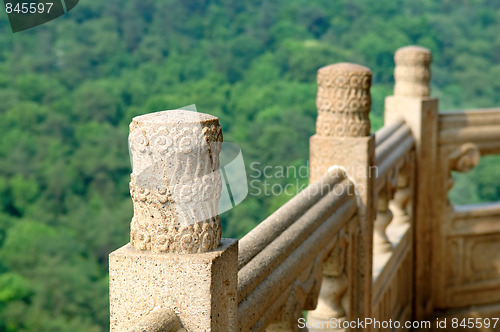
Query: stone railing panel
466	237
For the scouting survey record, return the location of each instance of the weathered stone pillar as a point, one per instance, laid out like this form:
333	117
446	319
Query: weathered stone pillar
175	182
176	259
343	138
412	103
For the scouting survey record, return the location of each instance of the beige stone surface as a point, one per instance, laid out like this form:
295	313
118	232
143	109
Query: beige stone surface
433	256
175	182
200	288
282	279
402	203
466	238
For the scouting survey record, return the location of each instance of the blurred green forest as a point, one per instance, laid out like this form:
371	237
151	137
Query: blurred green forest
69	89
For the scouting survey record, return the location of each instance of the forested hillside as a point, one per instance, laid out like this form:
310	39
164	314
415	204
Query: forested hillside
69	88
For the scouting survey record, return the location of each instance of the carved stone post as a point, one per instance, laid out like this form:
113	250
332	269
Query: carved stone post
412	103
176	259
343	138
175	182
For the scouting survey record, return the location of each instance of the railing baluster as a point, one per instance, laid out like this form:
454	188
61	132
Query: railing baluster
333	301
381	243
400	204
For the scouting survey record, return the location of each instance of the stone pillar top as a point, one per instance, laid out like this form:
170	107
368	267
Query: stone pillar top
171	117
175	182
412	73
413	53
343	100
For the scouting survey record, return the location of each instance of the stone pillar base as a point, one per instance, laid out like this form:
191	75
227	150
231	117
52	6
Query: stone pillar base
200	288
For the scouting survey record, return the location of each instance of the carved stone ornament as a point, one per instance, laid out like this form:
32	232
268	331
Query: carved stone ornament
412	74
175	182
333	301
302	295
343	100
465	158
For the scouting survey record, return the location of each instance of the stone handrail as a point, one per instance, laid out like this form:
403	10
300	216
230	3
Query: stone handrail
391	150
295	244
386	131
480	127
394	146
268	230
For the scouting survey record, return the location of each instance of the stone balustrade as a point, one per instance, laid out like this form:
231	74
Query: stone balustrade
372	236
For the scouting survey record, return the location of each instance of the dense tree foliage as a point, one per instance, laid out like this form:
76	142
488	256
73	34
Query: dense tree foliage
69	89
